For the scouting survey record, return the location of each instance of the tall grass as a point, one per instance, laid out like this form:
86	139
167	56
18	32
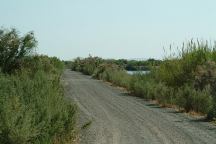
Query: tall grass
192	75
87	65
112	73
32	105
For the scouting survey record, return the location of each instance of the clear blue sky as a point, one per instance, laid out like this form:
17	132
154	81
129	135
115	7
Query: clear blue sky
110	28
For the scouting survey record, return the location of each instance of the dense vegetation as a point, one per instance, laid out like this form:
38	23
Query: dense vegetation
186	80
129	65
137	65
32	106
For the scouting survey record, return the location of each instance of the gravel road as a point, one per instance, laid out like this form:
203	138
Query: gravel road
117	118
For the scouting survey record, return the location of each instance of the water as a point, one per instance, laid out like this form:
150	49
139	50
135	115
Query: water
141	72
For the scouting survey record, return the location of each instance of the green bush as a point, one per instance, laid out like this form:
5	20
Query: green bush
13	48
112	73
87	65
179	70
164	94
139	89
32	104
194	100
120	78
142	85
33	110
212	111
189	74
50	65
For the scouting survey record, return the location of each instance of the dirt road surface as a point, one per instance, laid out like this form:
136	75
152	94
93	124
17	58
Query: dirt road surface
117	118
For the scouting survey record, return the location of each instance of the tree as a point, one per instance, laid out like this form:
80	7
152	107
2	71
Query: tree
13	48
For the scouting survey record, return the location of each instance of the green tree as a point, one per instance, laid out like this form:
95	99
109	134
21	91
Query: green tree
13	48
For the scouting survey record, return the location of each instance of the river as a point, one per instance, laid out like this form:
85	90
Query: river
141	72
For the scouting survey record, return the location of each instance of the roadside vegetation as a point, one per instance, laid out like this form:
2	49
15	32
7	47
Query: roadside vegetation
137	65
32	104
186	79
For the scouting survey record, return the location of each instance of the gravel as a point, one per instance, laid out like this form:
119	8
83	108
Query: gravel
118	118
